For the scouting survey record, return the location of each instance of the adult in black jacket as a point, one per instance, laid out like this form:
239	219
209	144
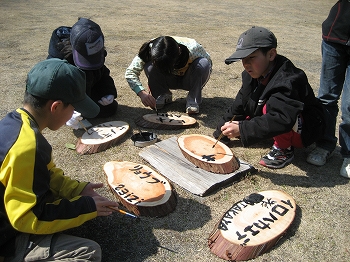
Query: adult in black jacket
275	101
83	46
335	82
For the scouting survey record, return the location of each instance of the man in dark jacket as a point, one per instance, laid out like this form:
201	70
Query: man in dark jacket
335	80
275	101
83	46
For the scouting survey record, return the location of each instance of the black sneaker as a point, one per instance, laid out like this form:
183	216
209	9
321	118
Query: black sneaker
277	158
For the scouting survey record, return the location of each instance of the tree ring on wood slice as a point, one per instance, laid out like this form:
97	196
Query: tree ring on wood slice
101	137
252	226
140	189
166	121
199	150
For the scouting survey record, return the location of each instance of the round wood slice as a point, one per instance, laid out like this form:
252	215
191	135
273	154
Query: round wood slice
101	137
252	226
199	150
166	121
140	189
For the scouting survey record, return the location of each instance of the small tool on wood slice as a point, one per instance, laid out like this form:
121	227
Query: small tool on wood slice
83	126
221	135
123	212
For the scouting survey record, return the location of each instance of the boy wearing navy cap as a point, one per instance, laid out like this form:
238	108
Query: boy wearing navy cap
38	200
82	45
275	101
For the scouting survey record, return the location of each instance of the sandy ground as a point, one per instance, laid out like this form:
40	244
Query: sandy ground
320	231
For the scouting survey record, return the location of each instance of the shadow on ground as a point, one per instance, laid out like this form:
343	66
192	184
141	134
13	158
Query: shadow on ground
310	176
123	238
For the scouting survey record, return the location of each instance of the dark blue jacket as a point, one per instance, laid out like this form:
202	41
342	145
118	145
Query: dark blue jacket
336	28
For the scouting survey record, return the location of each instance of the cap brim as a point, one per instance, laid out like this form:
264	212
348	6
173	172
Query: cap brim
239	54
95	61
87	107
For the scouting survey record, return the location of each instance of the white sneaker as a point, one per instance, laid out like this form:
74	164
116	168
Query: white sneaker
319	156
192	109
163	99
345	168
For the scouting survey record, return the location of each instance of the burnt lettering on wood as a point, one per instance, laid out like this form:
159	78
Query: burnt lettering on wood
164	118
277	210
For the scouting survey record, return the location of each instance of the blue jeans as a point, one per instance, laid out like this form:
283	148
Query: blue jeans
335	82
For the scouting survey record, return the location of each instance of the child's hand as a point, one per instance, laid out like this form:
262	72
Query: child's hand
230	129
147	99
89	190
102	205
74	121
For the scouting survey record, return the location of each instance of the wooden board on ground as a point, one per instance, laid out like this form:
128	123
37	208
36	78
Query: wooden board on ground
252	226
166	157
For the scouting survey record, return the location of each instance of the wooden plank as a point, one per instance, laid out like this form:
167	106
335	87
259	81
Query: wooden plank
167	158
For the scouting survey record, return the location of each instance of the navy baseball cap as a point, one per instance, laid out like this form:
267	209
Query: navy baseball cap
250	41
87	44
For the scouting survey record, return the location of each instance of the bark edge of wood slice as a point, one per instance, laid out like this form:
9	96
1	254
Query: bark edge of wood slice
101	137
140	189
252	226
198	149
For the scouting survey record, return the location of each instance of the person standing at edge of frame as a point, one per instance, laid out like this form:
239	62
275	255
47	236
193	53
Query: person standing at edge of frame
170	63
335	80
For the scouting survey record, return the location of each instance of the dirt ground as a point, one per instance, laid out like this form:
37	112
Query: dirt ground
320	231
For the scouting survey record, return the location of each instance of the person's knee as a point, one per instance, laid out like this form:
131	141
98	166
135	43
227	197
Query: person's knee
203	64
202	68
95	250
108	110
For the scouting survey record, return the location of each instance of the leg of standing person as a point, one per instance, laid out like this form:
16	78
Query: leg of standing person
334	64
344	127
194	80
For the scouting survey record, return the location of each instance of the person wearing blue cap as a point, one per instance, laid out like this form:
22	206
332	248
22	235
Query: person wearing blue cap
82	45
275	101
38	199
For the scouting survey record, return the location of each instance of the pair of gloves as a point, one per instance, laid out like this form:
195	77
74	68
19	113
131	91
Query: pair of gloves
75	123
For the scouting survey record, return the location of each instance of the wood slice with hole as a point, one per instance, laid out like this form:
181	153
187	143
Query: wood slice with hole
252	226
101	137
166	121
199	150
140	189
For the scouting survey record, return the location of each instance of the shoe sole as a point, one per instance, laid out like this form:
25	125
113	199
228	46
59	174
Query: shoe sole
261	162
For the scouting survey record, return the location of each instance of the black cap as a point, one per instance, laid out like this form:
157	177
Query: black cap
250	41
